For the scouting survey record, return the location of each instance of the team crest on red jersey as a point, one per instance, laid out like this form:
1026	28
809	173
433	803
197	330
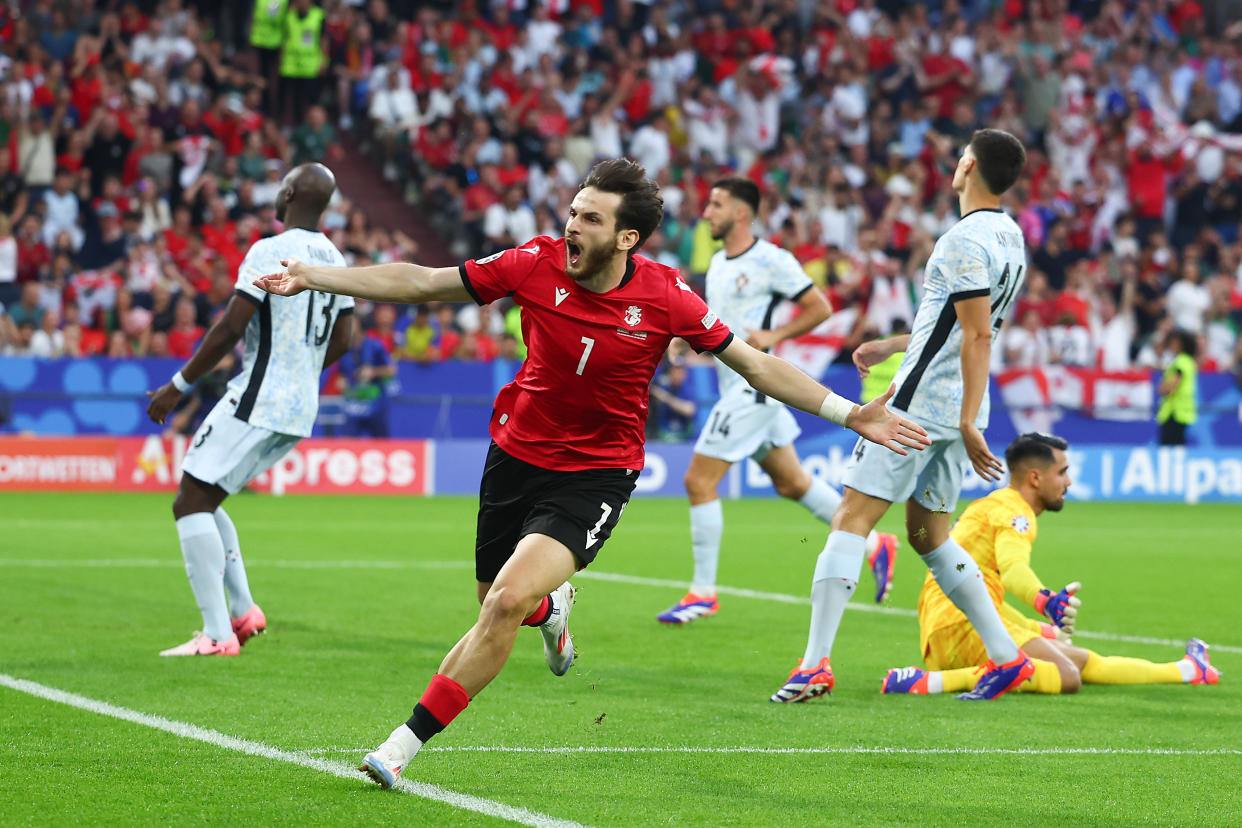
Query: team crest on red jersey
633	315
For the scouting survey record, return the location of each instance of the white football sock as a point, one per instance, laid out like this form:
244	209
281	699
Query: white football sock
203	551
1187	668
406	741
235	582
959	577
935	682
706	527
836	578
821	500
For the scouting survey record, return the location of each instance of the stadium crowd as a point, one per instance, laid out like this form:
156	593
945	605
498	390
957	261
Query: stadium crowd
146	142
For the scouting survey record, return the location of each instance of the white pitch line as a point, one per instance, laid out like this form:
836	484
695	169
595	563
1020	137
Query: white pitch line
737	592
612	577
959	751
109	563
857	607
341	769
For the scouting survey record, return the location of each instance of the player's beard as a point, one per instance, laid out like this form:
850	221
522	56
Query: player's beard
1055	505
591	261
726	227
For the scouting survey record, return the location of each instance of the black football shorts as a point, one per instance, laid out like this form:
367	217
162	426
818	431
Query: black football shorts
577	508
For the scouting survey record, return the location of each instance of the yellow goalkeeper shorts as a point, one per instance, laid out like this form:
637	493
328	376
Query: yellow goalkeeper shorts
958	645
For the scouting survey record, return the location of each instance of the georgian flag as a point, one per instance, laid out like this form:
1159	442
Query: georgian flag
1037	396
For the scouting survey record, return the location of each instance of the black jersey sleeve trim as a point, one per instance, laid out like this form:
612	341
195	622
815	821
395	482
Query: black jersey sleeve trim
800	293
465	280
954	298
721	346
345	312
249	297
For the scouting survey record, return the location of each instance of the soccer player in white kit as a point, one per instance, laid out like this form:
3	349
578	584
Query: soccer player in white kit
746	282
269	406
971	280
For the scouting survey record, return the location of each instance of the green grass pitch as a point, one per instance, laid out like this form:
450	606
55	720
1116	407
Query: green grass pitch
365	595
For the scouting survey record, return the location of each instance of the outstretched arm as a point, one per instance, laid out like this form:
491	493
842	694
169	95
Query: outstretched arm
394	282
218	341
782	381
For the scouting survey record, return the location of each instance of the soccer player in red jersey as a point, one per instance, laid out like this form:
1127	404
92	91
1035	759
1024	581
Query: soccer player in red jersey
567	433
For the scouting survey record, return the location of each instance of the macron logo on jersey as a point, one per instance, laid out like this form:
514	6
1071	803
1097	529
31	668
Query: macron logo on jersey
683	286
534	248
561	295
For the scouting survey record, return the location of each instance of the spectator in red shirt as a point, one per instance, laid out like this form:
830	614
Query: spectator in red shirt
480	195
1148	187
385	331
220	234
437	146
500	31
511	170
177	237
222	120
185	333
945	79
33	256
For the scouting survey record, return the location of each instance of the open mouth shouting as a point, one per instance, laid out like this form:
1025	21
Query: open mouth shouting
573	254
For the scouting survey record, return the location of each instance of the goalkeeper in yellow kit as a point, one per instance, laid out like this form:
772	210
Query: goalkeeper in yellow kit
998	532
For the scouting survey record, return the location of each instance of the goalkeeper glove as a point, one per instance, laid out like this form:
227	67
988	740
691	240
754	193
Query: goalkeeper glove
1053	632
1061	608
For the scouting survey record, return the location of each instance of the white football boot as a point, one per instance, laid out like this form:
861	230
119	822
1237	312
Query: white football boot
558	644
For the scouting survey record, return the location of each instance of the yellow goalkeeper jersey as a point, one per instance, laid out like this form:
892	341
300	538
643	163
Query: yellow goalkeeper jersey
997	531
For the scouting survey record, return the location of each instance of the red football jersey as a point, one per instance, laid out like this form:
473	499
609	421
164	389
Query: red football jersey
580	399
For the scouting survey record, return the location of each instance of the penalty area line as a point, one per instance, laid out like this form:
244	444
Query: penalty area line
340	769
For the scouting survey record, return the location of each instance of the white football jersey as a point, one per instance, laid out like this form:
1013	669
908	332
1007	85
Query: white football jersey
745	290
278	388
982	255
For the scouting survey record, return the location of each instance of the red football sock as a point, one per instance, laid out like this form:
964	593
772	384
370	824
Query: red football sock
540	614
441	702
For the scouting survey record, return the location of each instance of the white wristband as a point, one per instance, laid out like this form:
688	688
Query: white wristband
179	383
836	409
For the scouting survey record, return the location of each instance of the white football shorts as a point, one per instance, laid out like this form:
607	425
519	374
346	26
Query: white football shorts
229	453
739	427
933	476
